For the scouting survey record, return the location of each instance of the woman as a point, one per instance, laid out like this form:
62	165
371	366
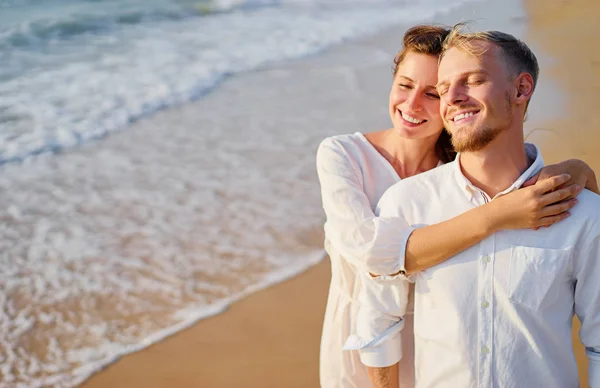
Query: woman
355	170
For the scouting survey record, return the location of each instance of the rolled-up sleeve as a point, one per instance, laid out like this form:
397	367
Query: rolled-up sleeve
380	319
587	300
372	244
593	356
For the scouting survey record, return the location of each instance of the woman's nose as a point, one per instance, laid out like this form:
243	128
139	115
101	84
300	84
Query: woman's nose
413	102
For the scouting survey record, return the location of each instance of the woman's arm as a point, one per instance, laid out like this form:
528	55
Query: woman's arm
539	205
582	174
370	243
379	244
531	207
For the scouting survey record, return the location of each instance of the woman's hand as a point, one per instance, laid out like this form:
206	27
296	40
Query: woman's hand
542	204
581	174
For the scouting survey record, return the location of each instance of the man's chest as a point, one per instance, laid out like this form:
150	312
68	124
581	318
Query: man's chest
505	267
521	266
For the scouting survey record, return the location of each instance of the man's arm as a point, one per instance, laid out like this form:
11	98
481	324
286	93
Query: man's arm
379	321
382	305
386	377
393	289
587	298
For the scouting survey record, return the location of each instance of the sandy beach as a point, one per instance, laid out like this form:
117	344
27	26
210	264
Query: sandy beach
271	338
566	30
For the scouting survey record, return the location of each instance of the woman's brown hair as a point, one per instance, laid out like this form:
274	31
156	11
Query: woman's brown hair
429	40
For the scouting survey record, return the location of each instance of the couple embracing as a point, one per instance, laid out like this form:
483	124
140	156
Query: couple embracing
458	259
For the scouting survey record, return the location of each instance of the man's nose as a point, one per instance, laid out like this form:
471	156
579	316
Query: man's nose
455	95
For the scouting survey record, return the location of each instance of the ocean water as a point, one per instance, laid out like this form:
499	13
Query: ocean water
107	246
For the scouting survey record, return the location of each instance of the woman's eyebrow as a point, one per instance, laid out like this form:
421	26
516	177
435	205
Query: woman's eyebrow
406	78
411	80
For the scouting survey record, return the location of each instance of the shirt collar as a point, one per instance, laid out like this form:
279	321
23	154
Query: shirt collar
470	189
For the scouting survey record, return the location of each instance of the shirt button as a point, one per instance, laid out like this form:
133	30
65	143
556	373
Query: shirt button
486	259
485	350
485	304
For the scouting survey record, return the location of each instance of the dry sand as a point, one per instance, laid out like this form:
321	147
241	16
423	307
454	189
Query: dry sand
568	30
270	339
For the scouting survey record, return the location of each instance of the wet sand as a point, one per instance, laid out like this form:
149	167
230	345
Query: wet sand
270	339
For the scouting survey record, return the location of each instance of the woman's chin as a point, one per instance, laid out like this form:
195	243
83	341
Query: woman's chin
415	133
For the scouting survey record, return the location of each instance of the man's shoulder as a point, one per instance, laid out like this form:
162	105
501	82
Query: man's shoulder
588	207
423	187
436	176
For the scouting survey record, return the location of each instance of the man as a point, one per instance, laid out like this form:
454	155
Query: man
498	314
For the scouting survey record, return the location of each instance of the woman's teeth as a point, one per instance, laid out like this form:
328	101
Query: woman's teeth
411	119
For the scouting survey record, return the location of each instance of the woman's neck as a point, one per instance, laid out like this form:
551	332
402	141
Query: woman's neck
407	156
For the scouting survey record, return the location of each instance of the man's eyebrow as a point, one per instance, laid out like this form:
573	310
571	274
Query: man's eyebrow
440	84
462	75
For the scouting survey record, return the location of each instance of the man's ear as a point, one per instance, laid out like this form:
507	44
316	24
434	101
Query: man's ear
524	87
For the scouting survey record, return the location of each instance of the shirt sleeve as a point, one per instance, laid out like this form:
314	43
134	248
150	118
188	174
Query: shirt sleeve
587	300
382	307
372	244
379	321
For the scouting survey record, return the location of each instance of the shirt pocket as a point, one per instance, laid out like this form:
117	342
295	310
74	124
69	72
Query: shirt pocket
533	272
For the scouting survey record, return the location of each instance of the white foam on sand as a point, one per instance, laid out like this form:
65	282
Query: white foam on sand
113	246
74	74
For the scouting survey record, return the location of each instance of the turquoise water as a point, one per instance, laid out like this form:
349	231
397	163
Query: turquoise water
125	239
73	71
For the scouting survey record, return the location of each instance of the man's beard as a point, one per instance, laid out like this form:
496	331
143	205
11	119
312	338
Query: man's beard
476	139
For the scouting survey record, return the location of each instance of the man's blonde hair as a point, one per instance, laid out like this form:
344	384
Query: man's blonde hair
517	56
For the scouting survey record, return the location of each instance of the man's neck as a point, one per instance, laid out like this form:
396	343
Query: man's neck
497	166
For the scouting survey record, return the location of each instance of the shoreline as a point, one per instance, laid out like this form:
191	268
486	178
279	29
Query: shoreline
218	352
270	338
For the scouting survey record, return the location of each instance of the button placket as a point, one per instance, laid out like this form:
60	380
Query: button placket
485	311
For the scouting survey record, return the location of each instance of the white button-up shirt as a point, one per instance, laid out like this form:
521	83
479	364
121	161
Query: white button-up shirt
499	313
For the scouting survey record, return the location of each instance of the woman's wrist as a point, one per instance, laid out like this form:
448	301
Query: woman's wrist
491	220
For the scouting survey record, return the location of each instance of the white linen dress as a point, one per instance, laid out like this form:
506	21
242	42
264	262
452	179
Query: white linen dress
353	176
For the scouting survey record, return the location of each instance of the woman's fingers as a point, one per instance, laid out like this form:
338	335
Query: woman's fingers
558	208
547	221
560	194
552	183
559	204
531	181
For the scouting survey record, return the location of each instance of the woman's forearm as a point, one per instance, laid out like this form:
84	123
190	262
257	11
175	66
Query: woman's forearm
434	244
540	205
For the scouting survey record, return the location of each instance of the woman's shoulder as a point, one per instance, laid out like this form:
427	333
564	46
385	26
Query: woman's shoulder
352	146
347	152
347	140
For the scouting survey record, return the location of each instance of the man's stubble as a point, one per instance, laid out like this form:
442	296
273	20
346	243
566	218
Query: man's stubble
472	140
